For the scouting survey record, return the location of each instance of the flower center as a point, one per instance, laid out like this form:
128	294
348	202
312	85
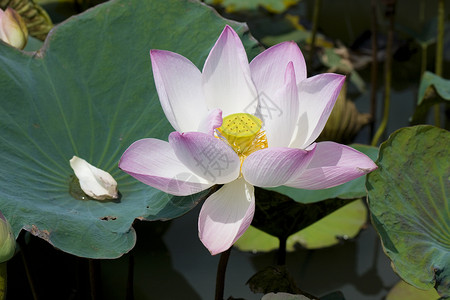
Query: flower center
243	133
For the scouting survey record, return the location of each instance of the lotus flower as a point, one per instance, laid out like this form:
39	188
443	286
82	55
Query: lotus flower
241	125
13	29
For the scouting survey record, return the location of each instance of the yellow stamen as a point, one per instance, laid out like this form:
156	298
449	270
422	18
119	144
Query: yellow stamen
243	133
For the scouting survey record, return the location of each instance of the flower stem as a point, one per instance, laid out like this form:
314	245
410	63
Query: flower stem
220	278
130	291
23	254
281	254
423	65
374	68
390	12
314	31
3	280
94	267
439	53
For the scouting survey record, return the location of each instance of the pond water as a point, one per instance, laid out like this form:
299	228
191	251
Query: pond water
183	269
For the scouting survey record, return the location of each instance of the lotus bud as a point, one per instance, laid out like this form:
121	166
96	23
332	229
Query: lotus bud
13	29
7	240
94	182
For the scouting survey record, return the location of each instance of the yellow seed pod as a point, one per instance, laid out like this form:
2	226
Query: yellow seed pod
240	130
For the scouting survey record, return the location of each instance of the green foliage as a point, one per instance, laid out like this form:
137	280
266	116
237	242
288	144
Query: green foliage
89	92
409	204
344	223
350	190
274	6
402	291
433	90
281	216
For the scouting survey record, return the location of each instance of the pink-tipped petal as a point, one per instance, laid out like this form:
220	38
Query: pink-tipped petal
317	96
272	167
179	86
227	83
206	156
211	121
154	163
268	68
280	123
331	165
226	215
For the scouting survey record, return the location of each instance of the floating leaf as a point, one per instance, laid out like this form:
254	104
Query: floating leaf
275	279
300	36
402	291
350	190
433	90
426	36
409	204
284	296
281	216
274	6
344	223
339	60
89	92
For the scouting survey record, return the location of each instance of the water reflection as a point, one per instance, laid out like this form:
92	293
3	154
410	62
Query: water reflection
358	268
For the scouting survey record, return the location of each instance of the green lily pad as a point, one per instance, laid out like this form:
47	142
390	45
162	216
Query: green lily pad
89	92
274	6
433	90
409	204
344	223
350	190
426	36
402	291
284	296
281	216
275	279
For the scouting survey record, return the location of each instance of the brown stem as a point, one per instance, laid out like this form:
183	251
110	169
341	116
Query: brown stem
24	255
374	69
281	254
94	268
220	278
439	54
314	31
390	13
130	281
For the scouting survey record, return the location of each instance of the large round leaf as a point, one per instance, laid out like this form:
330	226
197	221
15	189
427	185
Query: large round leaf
274	6
402	291
408	200
433	90
89	92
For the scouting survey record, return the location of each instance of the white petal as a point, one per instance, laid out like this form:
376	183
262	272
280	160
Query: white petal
179	86
317	96
227	83
269	67
211	121
226	215
333	164
95	182
206	156
280	123
154	163
273	167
